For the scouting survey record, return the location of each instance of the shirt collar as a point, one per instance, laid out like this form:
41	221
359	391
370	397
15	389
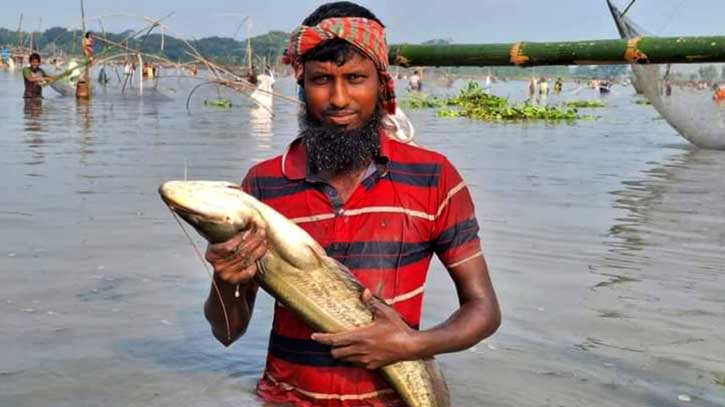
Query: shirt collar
294	160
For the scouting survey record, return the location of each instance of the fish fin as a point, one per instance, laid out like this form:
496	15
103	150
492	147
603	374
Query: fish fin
321	259
327	261
438	383
379	289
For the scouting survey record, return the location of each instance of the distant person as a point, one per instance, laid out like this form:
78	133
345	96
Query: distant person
543	87
532	88
88	43
252	76
263	92
34	77
558	86
668	88
719	96
103	77
128	71
415	83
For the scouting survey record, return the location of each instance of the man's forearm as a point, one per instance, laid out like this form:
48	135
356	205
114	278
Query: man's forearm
473	322
229	328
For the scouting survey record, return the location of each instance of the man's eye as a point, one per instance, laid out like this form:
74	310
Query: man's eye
355	78
320	78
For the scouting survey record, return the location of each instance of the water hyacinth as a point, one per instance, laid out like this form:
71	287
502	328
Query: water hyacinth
475	103
418	100
585	103
223	103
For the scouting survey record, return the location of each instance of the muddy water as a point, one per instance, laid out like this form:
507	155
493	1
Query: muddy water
605	241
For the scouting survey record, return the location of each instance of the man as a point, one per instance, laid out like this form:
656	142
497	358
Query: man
380	207
532	89
34	77
414	82
88	44
719	96
543	87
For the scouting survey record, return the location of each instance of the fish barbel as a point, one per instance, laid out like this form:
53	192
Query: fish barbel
296	271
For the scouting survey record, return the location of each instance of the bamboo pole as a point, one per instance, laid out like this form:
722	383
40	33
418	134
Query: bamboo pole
641	50
20	32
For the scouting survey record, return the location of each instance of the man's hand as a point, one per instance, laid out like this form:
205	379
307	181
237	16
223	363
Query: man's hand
388	339
234	261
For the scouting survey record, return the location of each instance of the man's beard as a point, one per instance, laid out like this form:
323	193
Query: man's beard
333	150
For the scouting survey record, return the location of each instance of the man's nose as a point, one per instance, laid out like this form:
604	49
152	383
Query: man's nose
339	97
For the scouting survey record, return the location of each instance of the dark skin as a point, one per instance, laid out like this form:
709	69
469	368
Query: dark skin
346	96
34	65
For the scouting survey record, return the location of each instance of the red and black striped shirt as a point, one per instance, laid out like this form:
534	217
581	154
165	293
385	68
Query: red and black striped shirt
412	204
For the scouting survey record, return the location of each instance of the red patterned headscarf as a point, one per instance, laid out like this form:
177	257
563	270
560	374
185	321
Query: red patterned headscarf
365	34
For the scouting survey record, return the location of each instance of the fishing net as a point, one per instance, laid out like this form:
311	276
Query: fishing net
691	98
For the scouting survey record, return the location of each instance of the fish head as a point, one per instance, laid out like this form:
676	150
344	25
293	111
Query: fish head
217	210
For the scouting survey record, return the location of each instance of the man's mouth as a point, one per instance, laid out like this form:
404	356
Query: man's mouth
341	118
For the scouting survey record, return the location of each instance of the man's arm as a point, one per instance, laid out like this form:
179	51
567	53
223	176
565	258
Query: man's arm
30	78
477	318
389	339
234	267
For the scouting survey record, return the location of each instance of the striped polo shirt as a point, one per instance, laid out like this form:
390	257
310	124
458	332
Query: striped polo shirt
411	204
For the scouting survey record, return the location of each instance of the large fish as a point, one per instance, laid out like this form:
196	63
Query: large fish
297	272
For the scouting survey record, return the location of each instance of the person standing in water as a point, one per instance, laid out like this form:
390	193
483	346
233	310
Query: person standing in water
88	43
34	77
532	89
379	206
414	82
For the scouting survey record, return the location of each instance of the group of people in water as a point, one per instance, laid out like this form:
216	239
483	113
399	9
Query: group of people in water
539	87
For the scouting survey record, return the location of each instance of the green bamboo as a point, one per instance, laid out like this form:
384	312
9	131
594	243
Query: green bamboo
653	50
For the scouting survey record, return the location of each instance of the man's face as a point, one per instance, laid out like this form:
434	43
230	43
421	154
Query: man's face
342	96
34	63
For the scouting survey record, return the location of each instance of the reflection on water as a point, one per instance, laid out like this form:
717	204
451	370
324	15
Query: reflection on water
260	121
675	206
663	278
34	129
605	246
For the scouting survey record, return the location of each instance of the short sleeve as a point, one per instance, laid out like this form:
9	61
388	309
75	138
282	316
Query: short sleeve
455	239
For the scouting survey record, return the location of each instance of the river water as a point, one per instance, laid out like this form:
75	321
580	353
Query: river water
605	241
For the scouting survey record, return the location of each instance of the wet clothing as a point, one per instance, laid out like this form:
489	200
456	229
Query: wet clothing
33	89
366	35
411	204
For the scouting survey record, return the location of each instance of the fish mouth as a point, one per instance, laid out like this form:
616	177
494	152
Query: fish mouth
214	227
183	210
